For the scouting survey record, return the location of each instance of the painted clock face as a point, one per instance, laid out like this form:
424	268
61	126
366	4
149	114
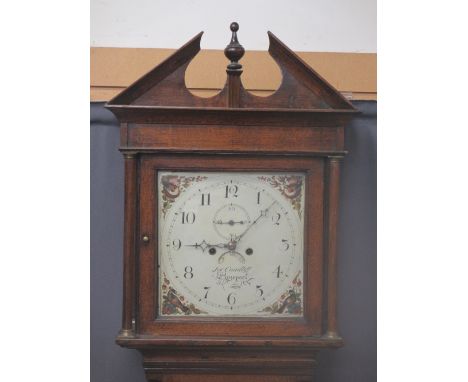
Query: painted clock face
231	244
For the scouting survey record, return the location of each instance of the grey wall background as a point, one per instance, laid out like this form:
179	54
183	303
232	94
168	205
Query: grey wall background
357	293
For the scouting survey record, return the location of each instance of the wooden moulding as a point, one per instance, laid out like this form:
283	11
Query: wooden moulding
222	342
239	116
250	358
260	365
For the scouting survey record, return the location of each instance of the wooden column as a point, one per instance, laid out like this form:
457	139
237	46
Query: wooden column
233	87
129	244
333	168
234	52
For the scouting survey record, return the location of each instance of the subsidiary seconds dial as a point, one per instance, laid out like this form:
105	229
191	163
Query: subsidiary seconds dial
230	244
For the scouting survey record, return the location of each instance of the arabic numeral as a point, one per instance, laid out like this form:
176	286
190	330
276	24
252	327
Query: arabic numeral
207	290
231	298
278	271
188	217
188	272
285	244
258	197
276	218
176	244
260	290
231	190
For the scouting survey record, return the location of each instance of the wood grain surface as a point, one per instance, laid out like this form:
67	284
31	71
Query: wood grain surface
298	128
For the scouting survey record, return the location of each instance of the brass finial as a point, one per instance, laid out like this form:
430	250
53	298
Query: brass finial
234	51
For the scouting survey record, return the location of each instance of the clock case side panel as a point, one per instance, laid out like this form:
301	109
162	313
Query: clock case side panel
150	325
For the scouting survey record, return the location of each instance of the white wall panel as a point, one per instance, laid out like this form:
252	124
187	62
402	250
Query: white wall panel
304	25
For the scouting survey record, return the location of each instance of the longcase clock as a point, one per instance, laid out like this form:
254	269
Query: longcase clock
231	208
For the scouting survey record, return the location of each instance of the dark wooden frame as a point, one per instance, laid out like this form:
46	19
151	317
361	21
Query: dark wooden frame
164	127
309	325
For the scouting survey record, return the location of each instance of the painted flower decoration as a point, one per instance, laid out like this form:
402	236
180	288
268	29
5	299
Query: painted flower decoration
289	302
173	186
293	187
171	189
289	185
174	303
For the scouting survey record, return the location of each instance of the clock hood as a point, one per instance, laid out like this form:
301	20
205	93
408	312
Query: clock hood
302	92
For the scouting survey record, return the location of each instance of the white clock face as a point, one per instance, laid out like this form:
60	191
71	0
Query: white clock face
231	244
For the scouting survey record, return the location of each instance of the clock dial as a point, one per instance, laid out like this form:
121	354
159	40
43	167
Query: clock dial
231	244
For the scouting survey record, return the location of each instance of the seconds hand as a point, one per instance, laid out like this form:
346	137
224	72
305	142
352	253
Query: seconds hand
262	213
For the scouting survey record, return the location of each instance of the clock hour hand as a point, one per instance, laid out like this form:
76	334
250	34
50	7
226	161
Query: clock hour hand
204	245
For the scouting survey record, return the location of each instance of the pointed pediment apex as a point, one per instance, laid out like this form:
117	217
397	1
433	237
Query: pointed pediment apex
302	89
180	58
295	67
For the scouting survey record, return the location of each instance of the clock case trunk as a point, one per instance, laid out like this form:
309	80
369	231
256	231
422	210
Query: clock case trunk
299	128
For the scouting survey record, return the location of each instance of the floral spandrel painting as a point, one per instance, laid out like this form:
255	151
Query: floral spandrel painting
290	301
173	186
289	185
174	303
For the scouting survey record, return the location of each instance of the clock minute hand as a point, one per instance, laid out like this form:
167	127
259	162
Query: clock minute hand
262	213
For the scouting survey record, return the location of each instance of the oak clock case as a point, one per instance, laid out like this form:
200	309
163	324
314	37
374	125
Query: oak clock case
231	209
251	261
